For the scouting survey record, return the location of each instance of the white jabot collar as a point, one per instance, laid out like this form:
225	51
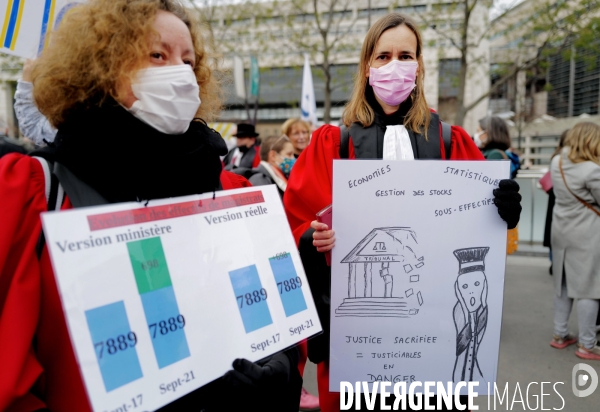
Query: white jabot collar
396	144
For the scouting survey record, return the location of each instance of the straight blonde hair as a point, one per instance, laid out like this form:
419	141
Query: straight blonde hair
358	109
584	143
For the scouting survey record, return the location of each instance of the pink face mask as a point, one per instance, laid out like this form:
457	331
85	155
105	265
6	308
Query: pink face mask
393	82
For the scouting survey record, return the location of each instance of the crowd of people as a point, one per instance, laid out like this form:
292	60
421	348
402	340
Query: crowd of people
123	81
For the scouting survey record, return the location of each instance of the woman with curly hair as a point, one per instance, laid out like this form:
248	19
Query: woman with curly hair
128	85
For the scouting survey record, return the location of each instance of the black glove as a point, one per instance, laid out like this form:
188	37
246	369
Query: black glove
269	374
508	201
269	385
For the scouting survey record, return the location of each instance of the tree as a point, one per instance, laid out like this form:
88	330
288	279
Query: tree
10	65
228	29
322	28
528	32
281	31
222	23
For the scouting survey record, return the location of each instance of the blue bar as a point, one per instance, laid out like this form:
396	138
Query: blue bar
289	289
10	32
170	344
109	323
45	25
255	315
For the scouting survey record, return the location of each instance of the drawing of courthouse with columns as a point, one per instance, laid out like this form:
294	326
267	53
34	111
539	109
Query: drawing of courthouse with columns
383	272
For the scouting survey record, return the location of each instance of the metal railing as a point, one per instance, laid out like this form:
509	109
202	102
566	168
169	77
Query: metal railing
535	151
534	202
538	150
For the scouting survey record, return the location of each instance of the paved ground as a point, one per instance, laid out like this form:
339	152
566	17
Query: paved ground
525	353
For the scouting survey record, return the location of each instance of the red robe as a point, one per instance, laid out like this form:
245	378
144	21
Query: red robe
310	186
38	368
310	189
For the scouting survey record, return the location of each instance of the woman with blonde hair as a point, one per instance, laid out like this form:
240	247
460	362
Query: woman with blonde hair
128	86
575	238
298	131
387	117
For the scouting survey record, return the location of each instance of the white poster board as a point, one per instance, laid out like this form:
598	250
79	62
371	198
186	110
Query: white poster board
161	299
25	24
417	272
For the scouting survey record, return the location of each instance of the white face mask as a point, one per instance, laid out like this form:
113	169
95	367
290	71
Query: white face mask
169	97
477	139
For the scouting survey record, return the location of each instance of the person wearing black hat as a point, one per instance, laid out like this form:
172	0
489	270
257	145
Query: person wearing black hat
246	155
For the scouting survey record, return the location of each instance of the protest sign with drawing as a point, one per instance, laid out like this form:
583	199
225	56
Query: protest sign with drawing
417	273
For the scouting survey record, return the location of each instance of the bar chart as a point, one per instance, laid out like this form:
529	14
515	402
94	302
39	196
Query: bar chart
251	298
114	342
289	284
160	300
154	285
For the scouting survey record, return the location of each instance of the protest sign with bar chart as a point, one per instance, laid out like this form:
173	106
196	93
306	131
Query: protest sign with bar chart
160	299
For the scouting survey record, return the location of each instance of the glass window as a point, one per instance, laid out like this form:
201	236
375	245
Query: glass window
375	13
345	14
448	7
421	8
304	18
448	77
238	22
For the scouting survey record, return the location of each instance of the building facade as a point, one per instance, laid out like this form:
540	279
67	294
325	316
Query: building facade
565	82
279	34
10	68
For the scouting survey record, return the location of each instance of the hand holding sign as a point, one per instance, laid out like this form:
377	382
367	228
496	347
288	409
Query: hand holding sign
153	293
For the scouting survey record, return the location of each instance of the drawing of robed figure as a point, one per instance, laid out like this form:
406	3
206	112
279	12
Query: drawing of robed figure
470	313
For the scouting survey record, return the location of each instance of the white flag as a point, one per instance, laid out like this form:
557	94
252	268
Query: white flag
308	104
238	77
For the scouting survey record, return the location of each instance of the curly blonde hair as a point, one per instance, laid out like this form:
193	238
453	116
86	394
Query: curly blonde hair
358	109
286	127
99	47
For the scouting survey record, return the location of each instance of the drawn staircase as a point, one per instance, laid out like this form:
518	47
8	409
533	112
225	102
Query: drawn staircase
375	307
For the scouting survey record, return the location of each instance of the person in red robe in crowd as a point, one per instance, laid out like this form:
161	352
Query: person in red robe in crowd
121	80
387	117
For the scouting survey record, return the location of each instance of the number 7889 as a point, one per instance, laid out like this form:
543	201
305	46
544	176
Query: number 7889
251	298
289	285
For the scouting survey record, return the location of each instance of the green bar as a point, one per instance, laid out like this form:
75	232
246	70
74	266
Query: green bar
149	264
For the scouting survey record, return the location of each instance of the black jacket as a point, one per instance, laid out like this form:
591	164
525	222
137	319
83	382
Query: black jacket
247	160
367	144
219	396
261	177
104	156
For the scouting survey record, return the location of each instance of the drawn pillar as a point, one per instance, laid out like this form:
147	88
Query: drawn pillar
387	278
368	280
352	280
